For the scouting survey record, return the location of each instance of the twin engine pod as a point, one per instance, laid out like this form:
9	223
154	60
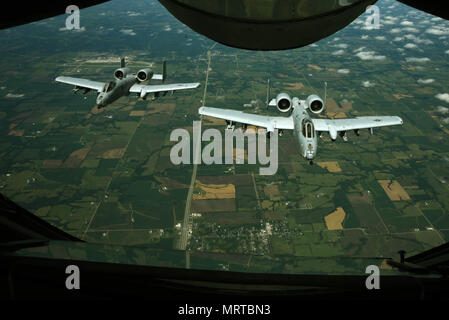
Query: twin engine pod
315	104
144	74
283	102
121	73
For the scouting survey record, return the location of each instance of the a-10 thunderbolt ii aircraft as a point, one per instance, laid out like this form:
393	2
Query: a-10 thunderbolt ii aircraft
125	83
306	129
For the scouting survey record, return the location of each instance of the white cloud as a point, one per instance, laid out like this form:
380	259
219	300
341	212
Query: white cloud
395	30
364	37
423	41
391	18
406	23
380	38
410	46
425	81
343	71
398	39
369	55
14	95
442	110
410	29
438	31
414	59
368	84
133	14
417	40
443	97
338	52
341	45
128	32
167	28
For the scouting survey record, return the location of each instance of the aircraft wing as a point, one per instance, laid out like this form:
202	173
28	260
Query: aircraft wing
145	89
355	123
82	83
270	123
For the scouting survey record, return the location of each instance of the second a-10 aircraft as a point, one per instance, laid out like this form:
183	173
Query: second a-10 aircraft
306	129
125	83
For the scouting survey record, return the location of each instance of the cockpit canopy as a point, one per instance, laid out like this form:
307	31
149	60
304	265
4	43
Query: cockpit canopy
308	130
109	86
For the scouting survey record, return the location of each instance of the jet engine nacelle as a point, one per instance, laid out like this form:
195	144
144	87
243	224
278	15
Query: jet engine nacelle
283	102
315	104
144	74
121	73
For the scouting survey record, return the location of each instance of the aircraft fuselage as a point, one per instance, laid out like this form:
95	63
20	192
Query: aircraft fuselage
304	131
115	89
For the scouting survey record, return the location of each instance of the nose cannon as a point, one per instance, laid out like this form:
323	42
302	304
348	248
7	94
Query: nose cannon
310	153
99	101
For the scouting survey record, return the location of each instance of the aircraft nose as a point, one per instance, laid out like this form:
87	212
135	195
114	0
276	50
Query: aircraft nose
100	101
310	152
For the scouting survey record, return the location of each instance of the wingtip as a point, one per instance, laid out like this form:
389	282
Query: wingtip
60	78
